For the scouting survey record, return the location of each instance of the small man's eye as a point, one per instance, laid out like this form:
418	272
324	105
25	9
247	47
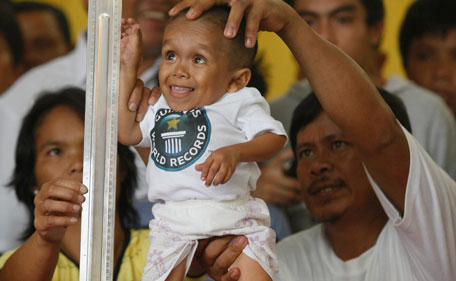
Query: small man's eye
170	56
199	60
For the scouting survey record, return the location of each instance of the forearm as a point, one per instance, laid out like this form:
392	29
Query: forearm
129	132
260	148
34	260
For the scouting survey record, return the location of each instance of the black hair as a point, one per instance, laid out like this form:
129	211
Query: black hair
310	108
259	72
10	29
59	16
240	55
24	180
375	10
426	16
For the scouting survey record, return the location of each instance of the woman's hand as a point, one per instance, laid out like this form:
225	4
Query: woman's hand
267	15
58	205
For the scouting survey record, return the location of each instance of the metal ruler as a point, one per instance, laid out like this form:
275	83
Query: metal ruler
100	140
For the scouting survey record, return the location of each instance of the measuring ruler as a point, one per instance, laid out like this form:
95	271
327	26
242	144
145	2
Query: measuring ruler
100	140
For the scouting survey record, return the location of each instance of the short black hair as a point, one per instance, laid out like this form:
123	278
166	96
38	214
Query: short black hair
426	16
240	56
59	16
310	108
375	10
23	179
10	29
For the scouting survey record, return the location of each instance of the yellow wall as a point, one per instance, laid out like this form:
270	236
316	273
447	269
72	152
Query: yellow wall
280	64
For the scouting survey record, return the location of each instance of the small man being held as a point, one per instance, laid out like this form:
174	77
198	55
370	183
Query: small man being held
206	132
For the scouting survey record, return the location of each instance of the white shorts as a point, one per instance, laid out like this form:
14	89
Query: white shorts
178	226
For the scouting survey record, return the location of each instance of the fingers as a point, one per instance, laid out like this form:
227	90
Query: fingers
234	19
136	95
196	8
233	275
154	96
58	203
220	255
252	26
143	105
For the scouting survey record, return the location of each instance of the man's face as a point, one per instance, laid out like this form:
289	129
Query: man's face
431	63
194	70
330	172
151	15
342	22
43	39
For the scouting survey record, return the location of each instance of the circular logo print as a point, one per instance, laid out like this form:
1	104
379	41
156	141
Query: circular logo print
179	138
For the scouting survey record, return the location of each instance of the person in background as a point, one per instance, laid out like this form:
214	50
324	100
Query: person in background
11	47
45	31
356	27
428	47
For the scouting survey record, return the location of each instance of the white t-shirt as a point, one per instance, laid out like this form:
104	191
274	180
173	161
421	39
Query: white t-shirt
421	245
181	140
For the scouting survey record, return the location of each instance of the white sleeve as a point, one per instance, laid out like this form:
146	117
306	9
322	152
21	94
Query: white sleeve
428	226
254	117
146	125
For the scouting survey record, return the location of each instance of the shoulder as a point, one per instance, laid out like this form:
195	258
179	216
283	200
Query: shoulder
4	258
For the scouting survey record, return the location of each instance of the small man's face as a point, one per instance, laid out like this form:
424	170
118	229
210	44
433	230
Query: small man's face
343	23
431	63
43	39
331	174
194	70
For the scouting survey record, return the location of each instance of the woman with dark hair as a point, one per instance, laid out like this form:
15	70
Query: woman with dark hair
47	179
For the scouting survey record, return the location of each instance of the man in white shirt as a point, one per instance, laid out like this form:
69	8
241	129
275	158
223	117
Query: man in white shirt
356	27
373	228
69	70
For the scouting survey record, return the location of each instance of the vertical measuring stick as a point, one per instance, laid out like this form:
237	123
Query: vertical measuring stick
100	140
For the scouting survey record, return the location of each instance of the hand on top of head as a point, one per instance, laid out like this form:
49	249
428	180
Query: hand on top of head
267	15
130	44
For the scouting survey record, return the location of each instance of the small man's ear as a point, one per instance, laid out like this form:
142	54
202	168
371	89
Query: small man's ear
239	80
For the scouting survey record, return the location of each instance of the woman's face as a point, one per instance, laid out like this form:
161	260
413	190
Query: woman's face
59	146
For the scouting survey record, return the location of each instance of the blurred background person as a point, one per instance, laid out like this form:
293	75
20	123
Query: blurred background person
11	47
45	31
428	47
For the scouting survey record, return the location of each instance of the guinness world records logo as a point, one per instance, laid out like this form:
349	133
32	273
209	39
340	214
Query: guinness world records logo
179	138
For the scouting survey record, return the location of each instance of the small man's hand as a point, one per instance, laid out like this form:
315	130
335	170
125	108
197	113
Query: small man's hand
221	165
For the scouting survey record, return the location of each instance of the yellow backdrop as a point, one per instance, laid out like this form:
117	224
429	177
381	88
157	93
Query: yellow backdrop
280	64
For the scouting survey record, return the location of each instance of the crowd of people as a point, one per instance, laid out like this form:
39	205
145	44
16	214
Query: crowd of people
364	190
